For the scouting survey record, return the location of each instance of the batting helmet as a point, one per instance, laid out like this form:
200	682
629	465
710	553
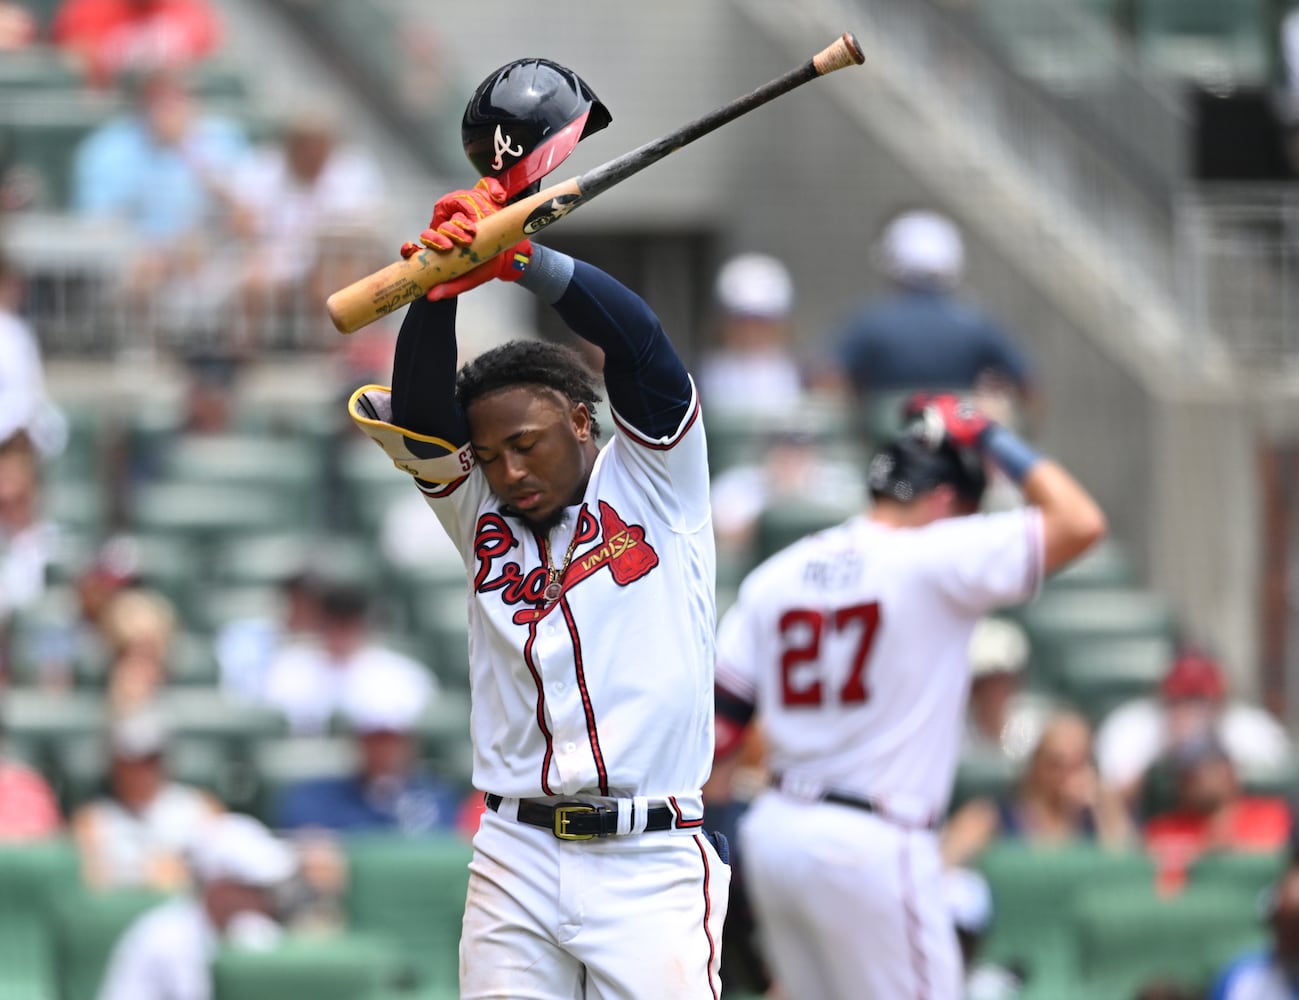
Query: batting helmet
525	119
909	466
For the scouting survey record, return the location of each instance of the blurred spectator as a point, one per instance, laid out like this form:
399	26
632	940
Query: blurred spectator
239	868
246	647
794	468
136	834
1002	719
1271	973
1192	702
925	333
28	807
389	791
18	27
313	678
309	207
751	370
161	170
1210	813
139	628
58	649
113	37
24	405
28	537
969	900
1059	800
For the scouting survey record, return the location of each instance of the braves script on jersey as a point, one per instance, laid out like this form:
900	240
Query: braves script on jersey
608	690
853	644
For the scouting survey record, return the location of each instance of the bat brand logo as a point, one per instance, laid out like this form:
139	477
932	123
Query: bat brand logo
502	147
551	211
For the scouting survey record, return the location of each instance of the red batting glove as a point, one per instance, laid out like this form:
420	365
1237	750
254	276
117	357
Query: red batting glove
963	425
456	216
508	265
455	223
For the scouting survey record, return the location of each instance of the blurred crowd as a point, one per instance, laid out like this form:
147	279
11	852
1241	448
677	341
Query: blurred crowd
790	413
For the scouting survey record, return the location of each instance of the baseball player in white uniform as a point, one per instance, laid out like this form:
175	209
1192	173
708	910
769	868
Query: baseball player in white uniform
851	645
591	628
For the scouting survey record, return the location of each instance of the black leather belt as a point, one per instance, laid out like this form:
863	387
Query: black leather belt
579	820
866	805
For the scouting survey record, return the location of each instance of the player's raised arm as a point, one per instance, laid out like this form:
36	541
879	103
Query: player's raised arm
1072	520
647	382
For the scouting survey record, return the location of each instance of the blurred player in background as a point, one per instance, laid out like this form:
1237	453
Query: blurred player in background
591	598
852	646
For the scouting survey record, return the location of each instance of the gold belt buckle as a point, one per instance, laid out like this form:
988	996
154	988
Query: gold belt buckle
561	821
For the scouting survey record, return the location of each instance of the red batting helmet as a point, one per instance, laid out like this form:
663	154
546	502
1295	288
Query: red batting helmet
525	119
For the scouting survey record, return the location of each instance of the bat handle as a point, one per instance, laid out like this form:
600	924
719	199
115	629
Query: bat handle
843	51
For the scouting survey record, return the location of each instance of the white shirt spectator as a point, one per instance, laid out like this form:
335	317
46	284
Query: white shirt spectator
309	686
166	954
1132	737
291	214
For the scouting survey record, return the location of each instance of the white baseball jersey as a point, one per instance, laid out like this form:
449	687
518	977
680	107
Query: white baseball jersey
607	691
852	645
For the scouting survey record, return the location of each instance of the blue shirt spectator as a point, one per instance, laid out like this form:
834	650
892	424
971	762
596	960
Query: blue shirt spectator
159	168
923	333
1271	973
388	791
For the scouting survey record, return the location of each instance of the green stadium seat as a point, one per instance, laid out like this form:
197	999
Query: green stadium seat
267	560
27	969
1248	871
441	624
413	891
1060	619
1099	673
1032	889
281	465
1217	42
1127	935
346	966
207	713
209	514
44	719
780	526
1106	565
980	775
38	68
87	927
370	483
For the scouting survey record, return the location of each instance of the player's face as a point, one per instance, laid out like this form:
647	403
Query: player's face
536	449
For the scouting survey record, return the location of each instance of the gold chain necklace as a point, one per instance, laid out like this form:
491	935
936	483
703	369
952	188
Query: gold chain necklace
554	580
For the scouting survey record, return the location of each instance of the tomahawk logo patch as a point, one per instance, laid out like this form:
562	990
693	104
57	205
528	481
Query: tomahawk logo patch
611	542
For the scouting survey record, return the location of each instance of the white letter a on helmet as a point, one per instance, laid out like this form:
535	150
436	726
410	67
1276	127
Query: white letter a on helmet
501	145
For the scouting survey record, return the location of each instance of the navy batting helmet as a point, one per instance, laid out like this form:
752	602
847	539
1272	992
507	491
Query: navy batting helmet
909	466
525	119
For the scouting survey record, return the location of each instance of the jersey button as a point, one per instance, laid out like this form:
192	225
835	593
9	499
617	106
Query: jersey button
560	686
570	747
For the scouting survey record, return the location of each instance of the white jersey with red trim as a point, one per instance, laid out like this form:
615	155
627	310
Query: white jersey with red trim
851	643
607	691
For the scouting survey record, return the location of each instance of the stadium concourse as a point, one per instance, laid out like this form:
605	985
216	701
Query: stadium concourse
185	506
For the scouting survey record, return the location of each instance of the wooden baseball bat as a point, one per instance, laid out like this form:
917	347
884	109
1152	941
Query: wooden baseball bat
404	281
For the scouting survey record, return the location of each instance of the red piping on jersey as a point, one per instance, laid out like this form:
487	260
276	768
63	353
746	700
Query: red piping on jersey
682	822
541	708
642	440
708	912
592	734
439	490
914	943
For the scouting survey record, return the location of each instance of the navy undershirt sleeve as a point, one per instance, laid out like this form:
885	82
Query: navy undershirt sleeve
424	375
647	382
